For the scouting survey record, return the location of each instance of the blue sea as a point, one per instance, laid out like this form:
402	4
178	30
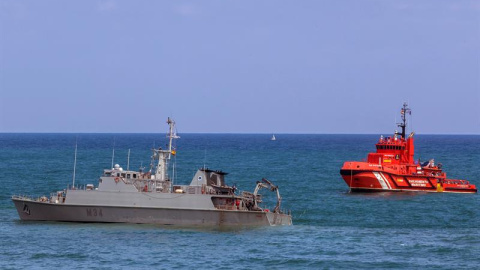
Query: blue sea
332	227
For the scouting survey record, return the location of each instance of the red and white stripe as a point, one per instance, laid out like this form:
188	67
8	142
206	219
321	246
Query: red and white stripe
382	180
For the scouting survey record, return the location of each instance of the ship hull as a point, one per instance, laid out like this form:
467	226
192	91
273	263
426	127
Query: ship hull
382	181
30	210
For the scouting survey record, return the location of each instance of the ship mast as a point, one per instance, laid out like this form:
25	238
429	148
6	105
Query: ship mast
403	113
74	164
163	156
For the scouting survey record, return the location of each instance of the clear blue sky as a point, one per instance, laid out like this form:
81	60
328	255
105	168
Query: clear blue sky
323	66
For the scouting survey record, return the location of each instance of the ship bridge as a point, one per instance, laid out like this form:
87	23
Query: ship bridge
392	150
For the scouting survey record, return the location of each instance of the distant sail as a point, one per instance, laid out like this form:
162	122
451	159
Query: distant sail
273	138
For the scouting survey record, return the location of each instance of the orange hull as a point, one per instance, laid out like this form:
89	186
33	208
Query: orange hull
362	176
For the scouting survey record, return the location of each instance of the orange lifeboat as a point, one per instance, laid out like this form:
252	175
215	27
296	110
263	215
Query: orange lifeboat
393	168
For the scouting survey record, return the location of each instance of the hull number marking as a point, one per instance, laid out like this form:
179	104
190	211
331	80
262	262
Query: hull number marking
94	212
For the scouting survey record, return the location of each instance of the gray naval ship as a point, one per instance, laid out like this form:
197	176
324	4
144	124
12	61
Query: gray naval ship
151	197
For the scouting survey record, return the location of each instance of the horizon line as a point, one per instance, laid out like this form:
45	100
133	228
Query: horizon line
232	133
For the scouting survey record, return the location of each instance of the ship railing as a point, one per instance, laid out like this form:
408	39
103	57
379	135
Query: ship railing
280	211
30	198
23	197
264	209
58	197
226	207
76	187
285	211
456	182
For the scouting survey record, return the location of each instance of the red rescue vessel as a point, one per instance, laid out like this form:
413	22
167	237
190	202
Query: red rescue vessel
393	168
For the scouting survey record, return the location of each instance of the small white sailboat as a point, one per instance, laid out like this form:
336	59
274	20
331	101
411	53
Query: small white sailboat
273	138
